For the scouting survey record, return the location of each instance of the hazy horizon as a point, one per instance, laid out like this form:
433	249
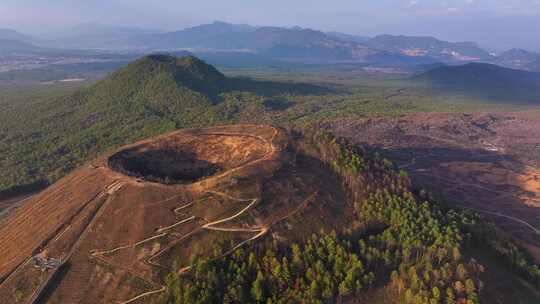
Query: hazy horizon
515	22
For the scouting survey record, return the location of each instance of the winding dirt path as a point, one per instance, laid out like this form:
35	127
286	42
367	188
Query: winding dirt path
499	214
261	231
209	226
161	232
501	193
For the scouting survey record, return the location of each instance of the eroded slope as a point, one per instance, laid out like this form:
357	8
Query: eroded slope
112	229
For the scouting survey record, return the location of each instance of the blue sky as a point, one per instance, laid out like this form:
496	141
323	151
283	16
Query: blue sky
492	23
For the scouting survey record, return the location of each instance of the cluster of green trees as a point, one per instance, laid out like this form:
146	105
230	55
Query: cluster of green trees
427	244
422	242
321	269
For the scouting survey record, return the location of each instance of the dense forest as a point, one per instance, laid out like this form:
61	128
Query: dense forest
409	246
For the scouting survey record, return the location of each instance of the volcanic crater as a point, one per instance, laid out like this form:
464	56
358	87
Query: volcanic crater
187	158
112	229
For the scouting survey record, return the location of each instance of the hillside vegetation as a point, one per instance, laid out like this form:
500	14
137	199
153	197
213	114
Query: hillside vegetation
42	141
46	133
403	248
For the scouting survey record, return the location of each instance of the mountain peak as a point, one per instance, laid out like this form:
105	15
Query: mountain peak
198	69
224	26
219	22
154	73
189	65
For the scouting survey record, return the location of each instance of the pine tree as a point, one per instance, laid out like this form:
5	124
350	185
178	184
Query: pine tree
257	289
436	293
314	290
344	289
297	257
450	297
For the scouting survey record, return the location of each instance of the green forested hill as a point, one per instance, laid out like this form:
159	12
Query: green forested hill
486	81
41	141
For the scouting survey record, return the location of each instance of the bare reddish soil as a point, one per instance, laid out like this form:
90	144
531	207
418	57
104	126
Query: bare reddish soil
486	162
118	224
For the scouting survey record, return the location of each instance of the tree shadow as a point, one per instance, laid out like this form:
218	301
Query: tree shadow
277	104
273	88
55	282
24	189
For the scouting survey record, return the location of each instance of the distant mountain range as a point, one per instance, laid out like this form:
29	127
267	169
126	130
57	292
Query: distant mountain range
218	35
299	44
274	42
485	80
266	44
290	44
